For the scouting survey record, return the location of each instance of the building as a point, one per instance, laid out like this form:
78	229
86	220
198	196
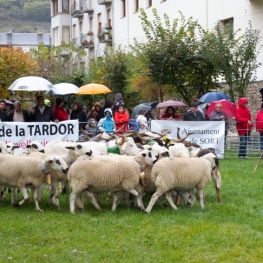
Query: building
26	41
92	24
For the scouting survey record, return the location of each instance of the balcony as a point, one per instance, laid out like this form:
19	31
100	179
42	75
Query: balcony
87	42
86	7
75	10
104	2
104	36
75	41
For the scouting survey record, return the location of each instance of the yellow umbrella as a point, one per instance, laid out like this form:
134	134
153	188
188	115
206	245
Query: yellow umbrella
92	89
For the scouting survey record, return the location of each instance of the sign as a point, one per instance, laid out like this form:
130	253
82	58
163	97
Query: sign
23	133
207	134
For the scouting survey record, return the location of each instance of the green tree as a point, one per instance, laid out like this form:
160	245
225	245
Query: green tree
234	56
7	4
172	56
37	10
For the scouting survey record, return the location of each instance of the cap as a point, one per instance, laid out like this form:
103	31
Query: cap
193	104
46	101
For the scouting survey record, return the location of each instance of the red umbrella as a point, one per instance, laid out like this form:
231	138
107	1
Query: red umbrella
173	103
228	107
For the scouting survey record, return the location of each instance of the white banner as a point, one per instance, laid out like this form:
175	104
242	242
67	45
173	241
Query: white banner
23	133
207	134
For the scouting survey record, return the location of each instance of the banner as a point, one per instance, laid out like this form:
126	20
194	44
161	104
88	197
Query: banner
23	133
207	134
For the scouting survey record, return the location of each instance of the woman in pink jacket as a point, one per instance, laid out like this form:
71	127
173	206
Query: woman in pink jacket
259	126
244	126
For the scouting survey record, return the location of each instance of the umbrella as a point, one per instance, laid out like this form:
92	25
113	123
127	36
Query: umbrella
143	106
92	89
31	83
214	96
63	89
9	102
173	103
228	107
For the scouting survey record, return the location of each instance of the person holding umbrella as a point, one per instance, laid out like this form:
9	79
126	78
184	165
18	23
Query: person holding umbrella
243	125
219	115
170	114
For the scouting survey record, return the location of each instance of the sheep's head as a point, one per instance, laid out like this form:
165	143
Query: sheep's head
127	146
35	146
57	163
79	149
211	158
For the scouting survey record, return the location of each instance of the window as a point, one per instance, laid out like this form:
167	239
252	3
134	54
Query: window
65	6
228	23
66	34
123	8
109	18
55	37
74	31
149	3
136	6
99	24
55	7
91	24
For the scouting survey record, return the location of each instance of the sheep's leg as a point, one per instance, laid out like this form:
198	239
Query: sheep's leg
153	200
140	204
41	189
55	199
93	200
168	196
2	193
133	192
201	198
119	197
35	195
218	194
72	199
114	201
25	195
65	187
217	182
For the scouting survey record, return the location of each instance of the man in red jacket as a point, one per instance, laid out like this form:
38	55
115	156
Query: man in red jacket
244	126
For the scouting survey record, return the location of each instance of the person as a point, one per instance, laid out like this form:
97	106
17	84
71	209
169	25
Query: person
141	118
118	100
3	114
243	125
59	112
17	114
193	114
170	114
149	115
219	115
143	127
109	104
41	112
78	114
91	127
96	112
259	126
47	102
121	118
107	123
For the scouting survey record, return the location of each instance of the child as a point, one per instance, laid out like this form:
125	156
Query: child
107	123
91	127
121	117
143	127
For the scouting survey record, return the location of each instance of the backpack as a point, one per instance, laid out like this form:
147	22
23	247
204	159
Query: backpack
133	125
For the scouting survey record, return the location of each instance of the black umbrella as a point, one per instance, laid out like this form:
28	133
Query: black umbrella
143	106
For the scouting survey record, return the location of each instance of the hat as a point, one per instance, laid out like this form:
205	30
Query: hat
97	104
193	104
46	101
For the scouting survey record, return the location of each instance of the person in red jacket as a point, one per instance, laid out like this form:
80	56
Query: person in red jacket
121	118
259	126
59	112
243	125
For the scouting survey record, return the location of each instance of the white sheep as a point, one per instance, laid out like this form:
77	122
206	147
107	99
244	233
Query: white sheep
23	172
179	150
3	150
107	174
181	174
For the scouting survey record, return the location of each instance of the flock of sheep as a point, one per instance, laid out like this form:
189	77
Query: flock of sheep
91	170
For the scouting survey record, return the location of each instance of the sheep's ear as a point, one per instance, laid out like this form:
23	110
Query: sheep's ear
144	154
34	146
0	150
8	146
28	146
70	147
42	151
89	153
79	146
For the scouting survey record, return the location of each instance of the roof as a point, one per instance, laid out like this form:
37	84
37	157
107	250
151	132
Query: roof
24	39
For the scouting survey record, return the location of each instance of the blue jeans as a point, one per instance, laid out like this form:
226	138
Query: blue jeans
261	141
242	152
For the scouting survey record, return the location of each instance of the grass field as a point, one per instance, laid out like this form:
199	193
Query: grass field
231	231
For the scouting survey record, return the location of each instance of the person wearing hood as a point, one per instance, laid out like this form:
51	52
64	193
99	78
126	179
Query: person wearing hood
47	102
243	125
118	101
79	114
96	112
91	127
107	123
109	104
121	118
259	126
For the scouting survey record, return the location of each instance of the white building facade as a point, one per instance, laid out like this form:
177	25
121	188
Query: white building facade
119	19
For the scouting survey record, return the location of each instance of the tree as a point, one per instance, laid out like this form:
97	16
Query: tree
172	56
234	56
37	10
14	63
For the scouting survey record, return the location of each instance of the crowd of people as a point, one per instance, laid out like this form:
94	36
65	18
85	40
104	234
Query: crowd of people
114	117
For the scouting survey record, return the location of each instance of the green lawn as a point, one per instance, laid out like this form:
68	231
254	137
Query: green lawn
231	231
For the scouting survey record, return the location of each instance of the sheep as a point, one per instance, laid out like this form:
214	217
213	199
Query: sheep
23	172
118	173
181	174
11	148
3	150
35	146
